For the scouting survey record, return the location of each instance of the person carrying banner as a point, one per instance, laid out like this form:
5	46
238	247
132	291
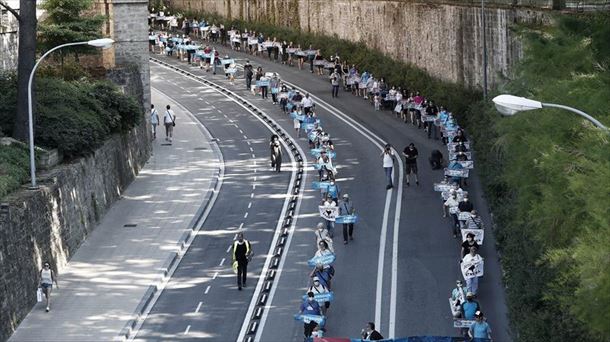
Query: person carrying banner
472	283
346	208
458	298
474	221
317	287
330	225
324	274
322	235
469	243
309	307
465	206
480	328
242	253
307	104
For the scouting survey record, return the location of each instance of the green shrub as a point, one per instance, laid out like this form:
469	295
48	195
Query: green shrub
75	117
14	168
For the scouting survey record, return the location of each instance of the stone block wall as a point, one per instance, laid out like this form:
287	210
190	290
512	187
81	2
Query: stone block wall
444	39
50	224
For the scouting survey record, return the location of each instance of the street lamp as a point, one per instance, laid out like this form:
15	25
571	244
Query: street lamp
510	105
99	43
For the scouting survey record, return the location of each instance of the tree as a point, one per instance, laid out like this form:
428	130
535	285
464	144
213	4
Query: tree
68	21
25	62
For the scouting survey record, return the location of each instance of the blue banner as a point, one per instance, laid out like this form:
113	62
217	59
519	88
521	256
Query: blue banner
322	297
227	61
262	83
322	260
294	115
316	153
308	318
347	219
320	185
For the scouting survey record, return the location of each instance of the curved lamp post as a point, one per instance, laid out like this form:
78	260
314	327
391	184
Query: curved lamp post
510	105
99	43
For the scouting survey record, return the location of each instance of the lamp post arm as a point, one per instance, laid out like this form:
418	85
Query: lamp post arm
30	112
579	112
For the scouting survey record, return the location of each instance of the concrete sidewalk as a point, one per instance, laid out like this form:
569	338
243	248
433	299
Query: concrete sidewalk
110	273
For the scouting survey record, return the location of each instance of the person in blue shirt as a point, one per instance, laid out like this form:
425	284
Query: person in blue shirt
309	307
480	328
470	307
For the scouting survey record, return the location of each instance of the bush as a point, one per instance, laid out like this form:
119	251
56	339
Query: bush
74	117
14	167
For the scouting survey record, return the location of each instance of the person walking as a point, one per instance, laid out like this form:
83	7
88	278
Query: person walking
346	208
370	334
318	288
242	253
47	278
309	307
410	153
169	120
388	163
249	73
480	328
154	120
276	155
472	283
335	78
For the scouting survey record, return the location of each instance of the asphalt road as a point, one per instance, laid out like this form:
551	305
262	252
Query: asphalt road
201	300
427	257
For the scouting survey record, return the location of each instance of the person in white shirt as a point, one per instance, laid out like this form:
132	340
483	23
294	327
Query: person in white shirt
388	163
169	120
472	284
451	205
322	235
307	104
154	120
316	288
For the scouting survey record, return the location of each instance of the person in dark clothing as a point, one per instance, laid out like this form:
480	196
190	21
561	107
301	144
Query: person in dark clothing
436	160
276	155
432	110
249	73
310	307
410	153
470	242
369	333
242	252
465	206
460	136
460	147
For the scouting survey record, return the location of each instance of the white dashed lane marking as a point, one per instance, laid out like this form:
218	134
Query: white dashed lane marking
198	307
222	262
215	275
246	215
188	327
207	289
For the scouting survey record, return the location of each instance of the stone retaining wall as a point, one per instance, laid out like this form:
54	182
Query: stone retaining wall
50	224
443	38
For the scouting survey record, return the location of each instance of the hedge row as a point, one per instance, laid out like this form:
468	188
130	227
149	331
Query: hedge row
75	117
546	173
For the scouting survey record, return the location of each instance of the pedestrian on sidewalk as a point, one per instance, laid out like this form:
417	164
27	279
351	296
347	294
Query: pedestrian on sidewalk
154	120
242	253
346	208
47	278
169	119
410	153
387	157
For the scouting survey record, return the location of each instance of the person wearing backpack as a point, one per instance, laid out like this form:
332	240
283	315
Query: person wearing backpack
169	120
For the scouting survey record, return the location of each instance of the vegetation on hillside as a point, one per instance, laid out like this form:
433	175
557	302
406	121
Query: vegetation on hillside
546	172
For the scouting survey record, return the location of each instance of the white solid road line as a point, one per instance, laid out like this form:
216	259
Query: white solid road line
198	307
381	258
